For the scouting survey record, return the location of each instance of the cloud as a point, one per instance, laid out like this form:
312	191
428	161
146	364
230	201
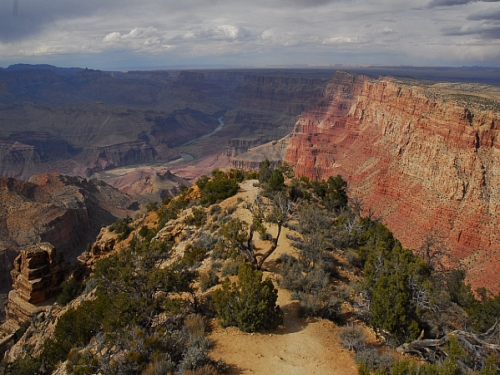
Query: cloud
312	3
138	39
149	33
259	32
485	15
344	40
384	31
438	3
23	18
115	36
484	31
220	33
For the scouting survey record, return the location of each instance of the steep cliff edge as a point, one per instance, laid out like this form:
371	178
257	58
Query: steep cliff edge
424	158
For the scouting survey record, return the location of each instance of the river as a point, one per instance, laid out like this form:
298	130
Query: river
218	128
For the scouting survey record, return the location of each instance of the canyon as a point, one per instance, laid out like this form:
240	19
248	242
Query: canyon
422	155
81	121
423	158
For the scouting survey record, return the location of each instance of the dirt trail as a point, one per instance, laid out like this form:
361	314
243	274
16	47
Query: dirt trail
298	347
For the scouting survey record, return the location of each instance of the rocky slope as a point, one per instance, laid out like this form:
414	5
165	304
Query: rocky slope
67	212
424	158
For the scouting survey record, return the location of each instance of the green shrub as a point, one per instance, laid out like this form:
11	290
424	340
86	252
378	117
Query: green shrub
265	171
352	337
198	217
197	251
208	279
219	188
70	290
201	182
21	366
153	206
276	181
250	304
121	227
215	209
230	268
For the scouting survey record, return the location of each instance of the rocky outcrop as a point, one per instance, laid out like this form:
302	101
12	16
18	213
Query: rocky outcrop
36	279
423	158
37	275
148	184
67	212
273	151
237	146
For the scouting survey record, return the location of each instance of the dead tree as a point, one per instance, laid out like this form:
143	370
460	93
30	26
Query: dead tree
435	253
240	235
476	346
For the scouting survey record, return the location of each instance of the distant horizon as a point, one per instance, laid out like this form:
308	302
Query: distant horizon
273	66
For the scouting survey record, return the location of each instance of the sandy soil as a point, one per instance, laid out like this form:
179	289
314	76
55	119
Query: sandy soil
300	346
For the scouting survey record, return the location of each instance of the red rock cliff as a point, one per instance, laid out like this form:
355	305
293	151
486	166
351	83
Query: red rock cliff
423	158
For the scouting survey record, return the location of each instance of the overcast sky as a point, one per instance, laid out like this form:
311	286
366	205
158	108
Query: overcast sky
133	34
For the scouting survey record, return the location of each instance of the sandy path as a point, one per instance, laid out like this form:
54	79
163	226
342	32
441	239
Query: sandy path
298	347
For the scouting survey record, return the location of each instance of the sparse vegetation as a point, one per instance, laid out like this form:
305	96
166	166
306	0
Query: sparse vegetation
69	290
145	307
121	227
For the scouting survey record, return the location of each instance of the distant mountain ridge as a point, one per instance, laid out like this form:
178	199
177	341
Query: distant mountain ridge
52	68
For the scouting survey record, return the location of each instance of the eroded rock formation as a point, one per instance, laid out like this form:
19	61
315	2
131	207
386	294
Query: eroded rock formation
36	278
424	158
37	275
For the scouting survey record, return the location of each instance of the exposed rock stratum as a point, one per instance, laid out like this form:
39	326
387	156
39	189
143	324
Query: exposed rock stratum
425	158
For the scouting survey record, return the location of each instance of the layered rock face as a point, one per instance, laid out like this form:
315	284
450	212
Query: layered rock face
36	278
268	107
425	159
66	211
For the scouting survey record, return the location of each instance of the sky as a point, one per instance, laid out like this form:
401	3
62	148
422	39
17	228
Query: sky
153	34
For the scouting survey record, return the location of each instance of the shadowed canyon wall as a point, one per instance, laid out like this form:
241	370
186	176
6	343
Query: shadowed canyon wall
424	158
67	212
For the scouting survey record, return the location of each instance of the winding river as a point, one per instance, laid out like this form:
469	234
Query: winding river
218	128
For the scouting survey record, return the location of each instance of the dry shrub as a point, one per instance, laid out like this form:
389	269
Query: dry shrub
195	326
352	337
204	370
208	280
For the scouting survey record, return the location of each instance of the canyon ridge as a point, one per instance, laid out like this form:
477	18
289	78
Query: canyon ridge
420	154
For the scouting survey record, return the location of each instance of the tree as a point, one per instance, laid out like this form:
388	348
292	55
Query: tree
265	171
394	273
238	234
249	304
276	181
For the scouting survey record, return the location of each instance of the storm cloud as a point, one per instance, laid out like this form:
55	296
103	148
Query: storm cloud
485	15
438	3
